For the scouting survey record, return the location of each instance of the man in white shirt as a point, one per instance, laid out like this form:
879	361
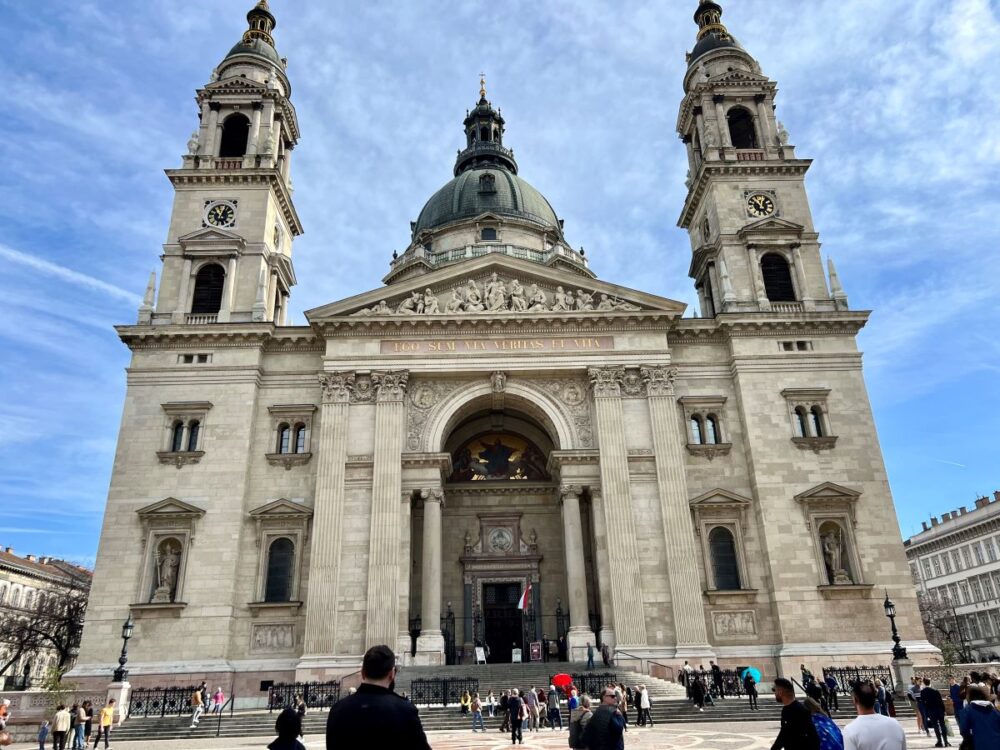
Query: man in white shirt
872	731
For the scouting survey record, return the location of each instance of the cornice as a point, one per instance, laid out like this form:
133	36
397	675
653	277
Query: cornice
221	335
715	169
270	177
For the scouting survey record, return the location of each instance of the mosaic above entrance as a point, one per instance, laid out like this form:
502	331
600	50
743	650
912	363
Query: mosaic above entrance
498	457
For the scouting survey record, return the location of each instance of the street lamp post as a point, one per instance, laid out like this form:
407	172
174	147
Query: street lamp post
121	674
902	667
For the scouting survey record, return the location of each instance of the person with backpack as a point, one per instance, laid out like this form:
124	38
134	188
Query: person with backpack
578	719
605	730
477	713
553	708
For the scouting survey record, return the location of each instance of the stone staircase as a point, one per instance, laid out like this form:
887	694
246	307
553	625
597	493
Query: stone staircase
669	705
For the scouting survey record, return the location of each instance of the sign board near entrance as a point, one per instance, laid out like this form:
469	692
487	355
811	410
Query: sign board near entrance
512	344
535	649
480	655
515	656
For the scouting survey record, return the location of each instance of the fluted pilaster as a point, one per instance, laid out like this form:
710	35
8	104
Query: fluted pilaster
682	552
382	623
607	634
623	549
324	563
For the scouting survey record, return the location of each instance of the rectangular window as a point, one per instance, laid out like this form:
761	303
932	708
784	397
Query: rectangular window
966	559
803	346
191	359
964	588
977	552
988	587
928	573
937	565
787	346
956	559
946	563
977	590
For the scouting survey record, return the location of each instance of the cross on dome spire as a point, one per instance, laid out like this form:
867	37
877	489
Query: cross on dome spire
482	85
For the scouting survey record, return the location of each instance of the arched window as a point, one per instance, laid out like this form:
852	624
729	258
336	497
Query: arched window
741	129
177	438
300	438
278	586
488	234
194	430
29	600
816	421
484	133
777	278
235	133
284	438
801	430
696	436
711	430
208	285
722	549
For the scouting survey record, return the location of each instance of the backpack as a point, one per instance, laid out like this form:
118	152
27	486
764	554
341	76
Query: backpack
576	733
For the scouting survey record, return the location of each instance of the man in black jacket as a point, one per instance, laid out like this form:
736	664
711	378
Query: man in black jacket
934	708
797	729
375	716
514	712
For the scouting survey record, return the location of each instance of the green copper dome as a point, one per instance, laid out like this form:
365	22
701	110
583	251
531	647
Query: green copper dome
478	190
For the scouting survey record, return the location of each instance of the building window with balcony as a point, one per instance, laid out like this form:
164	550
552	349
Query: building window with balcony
184	427
809	416
706	433
292	424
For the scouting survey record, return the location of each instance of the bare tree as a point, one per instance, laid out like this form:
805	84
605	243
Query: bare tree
944	629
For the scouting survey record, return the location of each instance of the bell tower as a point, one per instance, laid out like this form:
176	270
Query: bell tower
228	254
747	213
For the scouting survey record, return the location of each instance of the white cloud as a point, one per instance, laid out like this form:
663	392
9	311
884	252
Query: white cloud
68	275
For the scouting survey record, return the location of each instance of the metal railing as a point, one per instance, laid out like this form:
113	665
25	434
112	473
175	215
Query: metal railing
847	677
593	683
160	701
647	666
441	692
315	694
232	704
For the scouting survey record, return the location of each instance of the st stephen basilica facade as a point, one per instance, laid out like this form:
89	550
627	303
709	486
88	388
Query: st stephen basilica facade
401	469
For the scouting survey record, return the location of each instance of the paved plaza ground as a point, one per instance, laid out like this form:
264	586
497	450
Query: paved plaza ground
704	736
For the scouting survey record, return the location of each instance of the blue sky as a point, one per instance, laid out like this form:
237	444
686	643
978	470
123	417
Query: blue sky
896	101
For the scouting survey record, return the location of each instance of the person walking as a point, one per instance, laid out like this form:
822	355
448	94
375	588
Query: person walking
374	716
81	725
606	654
43	734
71	735
871	730
552	702
89	726
477	713
531	701
980	720
645	707
750	688
934	712
590	656
300	706
606	727
504	711
717	686
913	692
578	719
697	692
105	721
288	727
218	700
957	703
60	727
880	699
830	736
832	688
797	729
197	707
514	710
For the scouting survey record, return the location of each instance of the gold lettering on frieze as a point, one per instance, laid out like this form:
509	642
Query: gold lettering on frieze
493	345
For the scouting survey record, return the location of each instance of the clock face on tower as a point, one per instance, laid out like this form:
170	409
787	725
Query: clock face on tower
760	205
221	215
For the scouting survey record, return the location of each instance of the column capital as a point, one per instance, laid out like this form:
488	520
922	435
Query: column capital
594	492
390	385
569	489
337	386
432	495
659	379
606	382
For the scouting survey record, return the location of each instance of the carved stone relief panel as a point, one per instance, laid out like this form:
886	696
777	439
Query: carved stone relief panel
738	624
272	638
571	393
422	396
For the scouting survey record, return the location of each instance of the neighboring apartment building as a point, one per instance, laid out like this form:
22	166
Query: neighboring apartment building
49	594
955	562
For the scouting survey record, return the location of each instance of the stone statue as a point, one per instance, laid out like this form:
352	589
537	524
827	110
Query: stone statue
833	553
782	134
468	539
536	299
498	381
473	297
409	306
193	144
584	301
517	301
456	303
430	303
215	75
272	80
560	301
570	301
606	303
272	142
168	560
496	294
689	180
710	139
533	538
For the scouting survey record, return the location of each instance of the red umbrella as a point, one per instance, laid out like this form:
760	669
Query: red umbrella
562	681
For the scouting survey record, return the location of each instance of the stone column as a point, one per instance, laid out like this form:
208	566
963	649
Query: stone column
228	287
382	621
607	634
403	638
623	549
253	145
324	564
766	137
678	528
182	296
579	634
430	643
720	118
211	148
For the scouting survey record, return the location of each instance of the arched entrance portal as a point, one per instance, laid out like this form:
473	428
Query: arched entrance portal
503	534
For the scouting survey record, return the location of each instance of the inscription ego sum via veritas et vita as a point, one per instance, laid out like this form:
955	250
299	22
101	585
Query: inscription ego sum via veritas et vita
476	346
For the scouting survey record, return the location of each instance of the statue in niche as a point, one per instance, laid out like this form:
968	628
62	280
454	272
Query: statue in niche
561	301
517	301
272	142
468	539
496	294
168	560
536	299
833	553
473	297
456	303
272	80
498	381
533	538
430	303
193	143
710	139
584	301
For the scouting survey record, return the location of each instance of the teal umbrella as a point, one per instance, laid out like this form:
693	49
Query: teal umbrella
753	672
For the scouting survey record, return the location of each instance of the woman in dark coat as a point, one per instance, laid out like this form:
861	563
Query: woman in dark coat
980	720
288	727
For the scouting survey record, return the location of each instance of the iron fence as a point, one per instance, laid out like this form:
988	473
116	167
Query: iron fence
592	683
732	683
315	694
847	677
160	701
441	692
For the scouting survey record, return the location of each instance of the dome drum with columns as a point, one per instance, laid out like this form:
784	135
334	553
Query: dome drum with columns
403	466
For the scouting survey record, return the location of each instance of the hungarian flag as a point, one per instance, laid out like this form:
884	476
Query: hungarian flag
525	598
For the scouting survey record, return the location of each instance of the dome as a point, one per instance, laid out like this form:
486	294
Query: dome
257	47
473	192
710	42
